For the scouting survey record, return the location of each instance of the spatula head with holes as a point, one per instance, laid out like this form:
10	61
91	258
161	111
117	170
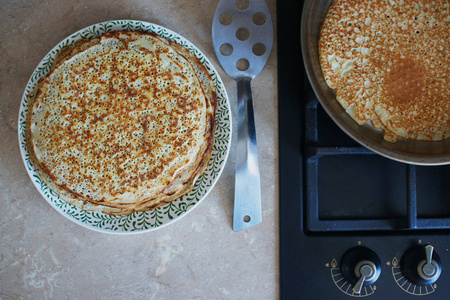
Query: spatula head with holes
242	36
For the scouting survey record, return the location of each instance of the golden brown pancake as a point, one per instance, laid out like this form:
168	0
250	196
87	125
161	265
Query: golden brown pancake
123	123
389	63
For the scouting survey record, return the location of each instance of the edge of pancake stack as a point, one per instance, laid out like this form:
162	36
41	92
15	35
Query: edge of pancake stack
124	122
389	63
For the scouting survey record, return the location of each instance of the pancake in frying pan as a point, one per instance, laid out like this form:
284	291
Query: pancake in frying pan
389	63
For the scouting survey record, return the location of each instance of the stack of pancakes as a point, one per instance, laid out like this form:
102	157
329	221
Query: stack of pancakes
389	63
122	123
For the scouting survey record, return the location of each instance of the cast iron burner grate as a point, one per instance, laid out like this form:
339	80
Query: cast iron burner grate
362	191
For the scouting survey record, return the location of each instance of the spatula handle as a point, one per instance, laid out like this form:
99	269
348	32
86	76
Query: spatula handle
247	193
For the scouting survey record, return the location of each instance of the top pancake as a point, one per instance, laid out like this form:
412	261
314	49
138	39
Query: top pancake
389	63
123	123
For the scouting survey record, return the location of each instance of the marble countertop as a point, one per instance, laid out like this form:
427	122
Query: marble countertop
43	255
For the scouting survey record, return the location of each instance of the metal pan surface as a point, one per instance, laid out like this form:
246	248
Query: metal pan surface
406	151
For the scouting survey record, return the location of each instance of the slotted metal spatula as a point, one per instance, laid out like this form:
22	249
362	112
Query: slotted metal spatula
242	34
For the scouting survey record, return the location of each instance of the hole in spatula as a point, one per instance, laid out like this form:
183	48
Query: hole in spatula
225	19
242	64
259	49
242	4
242	34
246	219
259	19
226	49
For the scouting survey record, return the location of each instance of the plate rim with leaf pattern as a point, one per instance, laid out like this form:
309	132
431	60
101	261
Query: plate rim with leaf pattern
136	222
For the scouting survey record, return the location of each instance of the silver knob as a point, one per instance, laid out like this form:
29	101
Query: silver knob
428	269
366	271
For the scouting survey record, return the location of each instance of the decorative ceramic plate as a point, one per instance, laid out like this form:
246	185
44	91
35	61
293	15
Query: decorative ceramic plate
136	222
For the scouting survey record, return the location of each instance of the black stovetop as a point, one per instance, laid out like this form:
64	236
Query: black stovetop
336	195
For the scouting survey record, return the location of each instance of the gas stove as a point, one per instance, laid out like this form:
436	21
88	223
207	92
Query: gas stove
352	223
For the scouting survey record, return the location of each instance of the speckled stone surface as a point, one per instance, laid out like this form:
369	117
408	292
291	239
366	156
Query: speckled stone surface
43	255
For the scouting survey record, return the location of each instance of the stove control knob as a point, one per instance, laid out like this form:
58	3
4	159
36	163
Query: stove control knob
360	266
421	265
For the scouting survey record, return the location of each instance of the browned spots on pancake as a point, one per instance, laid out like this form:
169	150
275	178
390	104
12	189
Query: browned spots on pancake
47	170
405	82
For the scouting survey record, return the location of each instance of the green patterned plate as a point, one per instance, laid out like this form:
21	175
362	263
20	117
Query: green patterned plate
136	222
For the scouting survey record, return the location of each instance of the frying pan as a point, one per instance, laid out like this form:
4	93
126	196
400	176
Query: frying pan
404	150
